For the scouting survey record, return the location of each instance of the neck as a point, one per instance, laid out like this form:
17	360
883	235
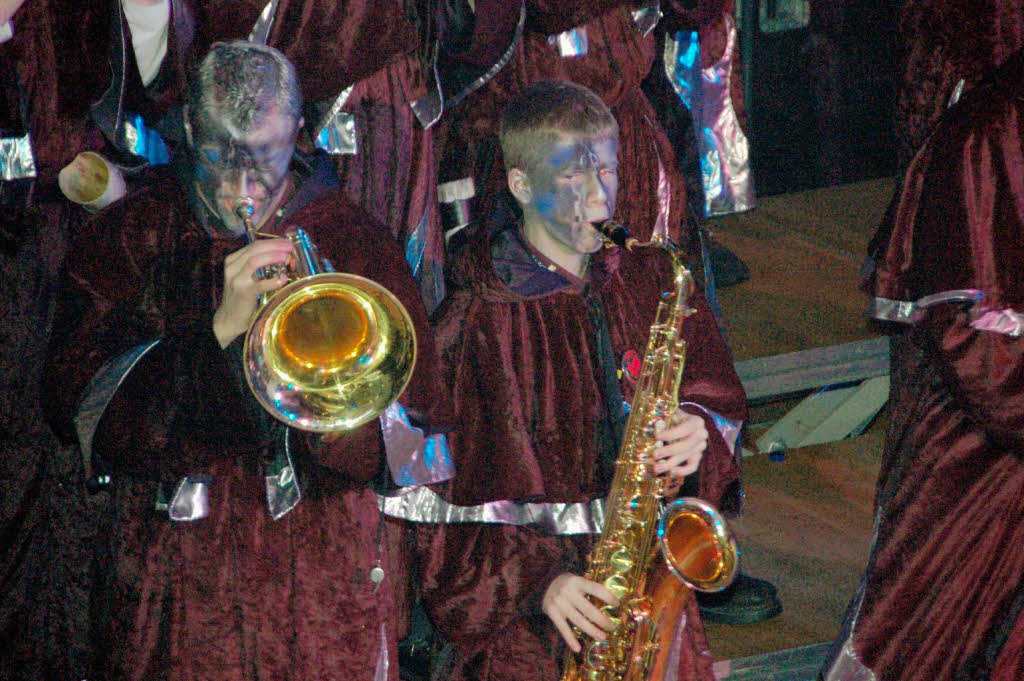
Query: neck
568	259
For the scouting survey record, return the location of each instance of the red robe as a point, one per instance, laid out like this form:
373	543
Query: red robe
529	394
944	588
235	595
947	41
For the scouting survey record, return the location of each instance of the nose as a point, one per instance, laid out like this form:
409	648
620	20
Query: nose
241	183
595	189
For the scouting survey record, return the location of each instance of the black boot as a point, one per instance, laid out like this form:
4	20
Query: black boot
745	601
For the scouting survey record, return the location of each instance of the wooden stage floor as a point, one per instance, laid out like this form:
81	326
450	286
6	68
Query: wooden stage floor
807	519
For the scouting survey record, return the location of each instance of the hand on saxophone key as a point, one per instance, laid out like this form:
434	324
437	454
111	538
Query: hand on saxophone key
681	445
242	285
567	604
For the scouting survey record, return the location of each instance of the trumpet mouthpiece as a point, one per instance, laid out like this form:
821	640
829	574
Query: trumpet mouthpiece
244	207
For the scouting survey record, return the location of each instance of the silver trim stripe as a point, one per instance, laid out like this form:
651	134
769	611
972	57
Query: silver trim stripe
422	504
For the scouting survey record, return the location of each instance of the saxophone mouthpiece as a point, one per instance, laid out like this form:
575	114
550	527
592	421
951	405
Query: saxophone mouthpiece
617	234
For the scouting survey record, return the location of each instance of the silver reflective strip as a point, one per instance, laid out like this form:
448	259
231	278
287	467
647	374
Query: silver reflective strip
571	43
413	458
729	428
261	29
664	203
1007	322
722	146
191	500
647	17
16	159
144	141
958	91
336	133
380	671
913	311
282	484
428	109
454	198
97	396
846	667
422	504
453	99
416	245
461	189
842	663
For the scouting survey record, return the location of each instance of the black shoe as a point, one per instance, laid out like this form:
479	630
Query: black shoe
747	600
726	265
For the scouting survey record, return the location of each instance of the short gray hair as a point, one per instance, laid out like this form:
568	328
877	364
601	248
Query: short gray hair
240	83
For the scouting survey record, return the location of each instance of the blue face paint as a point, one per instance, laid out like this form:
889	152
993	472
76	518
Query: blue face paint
230	166
573	186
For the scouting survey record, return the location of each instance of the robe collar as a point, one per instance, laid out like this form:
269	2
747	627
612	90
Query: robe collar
502	262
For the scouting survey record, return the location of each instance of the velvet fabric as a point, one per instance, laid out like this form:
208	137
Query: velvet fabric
393	174
528	393
334	44
44	73
617	61
944	585
47	520
946	41
235	595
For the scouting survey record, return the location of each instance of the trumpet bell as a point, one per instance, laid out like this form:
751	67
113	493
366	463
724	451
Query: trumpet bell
698	545
329	352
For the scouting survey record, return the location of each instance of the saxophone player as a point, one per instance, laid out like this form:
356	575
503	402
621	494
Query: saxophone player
541	337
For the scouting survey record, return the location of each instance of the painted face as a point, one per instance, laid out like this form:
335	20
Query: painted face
230	166
574	186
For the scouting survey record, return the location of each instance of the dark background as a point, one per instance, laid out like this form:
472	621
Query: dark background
820	97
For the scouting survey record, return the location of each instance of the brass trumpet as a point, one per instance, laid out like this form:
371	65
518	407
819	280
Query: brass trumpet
328	351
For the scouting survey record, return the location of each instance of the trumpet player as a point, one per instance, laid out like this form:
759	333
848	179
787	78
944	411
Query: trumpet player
237	547
541	337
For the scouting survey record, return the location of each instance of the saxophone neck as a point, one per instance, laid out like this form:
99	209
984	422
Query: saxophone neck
616	234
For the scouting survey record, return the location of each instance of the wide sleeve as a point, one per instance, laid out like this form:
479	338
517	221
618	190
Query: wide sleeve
711	389
984	369
477	579
135	373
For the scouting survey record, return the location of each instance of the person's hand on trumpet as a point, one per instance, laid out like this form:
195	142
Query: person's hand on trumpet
243	285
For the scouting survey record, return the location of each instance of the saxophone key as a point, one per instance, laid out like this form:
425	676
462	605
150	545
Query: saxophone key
621	560
618	585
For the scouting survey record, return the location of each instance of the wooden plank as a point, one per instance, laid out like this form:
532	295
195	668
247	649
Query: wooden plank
779	376
827	416
793	664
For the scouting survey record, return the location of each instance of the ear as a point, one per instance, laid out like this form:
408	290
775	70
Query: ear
519	185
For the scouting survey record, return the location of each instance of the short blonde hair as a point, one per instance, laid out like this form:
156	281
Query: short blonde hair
546	112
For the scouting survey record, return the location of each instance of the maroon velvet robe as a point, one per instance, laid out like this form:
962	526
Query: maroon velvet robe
528	389
946	41
393	173
945	579
235	595
385	52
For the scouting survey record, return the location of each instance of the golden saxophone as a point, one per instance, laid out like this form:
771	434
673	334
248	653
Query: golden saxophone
697	547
